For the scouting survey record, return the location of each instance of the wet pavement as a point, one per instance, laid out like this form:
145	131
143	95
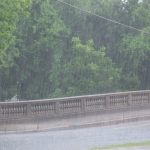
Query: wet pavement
132	148
76	136
78	139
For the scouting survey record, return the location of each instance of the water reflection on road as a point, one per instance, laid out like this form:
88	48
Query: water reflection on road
79	139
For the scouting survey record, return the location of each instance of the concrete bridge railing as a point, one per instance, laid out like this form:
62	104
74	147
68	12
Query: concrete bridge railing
70	105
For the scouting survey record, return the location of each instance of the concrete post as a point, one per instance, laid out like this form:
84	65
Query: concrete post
0	112
149	97
29	112
107	103
130	99
83	105
57	108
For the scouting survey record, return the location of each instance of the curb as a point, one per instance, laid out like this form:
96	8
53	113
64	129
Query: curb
80	126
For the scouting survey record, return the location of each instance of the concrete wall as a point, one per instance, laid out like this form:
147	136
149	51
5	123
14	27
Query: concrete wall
72	105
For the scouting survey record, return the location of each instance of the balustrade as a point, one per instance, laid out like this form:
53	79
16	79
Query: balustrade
118	100
140	98
70	106
95	103
78	104
39	109
10	111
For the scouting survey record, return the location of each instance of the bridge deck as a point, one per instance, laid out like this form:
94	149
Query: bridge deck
77	120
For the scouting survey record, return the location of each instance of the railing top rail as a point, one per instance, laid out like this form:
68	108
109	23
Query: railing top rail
76	97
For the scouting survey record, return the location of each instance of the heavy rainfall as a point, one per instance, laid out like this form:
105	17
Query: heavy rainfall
50	50
64	48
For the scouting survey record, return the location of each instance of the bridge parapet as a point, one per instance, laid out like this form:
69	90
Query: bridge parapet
70	105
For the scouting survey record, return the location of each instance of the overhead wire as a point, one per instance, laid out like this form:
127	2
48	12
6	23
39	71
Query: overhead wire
103	17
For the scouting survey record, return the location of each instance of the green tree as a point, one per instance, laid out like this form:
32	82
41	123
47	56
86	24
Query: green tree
40	58
41	40
89	71
136	71
9	15
10	12
38	46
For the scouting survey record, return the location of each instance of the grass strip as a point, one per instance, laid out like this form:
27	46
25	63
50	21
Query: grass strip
123	145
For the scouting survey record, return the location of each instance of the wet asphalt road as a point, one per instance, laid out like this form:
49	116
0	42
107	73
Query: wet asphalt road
79	139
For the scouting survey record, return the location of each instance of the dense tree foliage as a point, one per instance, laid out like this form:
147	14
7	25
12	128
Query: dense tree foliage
88	71
9	15
48	49
10	12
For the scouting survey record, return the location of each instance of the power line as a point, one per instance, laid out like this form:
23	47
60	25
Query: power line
103	17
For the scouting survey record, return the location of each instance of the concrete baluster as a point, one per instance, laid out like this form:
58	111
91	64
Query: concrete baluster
0	112
148	97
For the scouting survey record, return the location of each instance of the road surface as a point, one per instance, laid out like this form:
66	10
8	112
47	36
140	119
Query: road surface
78	139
